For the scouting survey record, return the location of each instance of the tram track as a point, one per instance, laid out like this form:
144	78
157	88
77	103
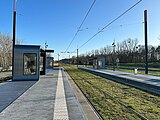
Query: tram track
148	98
129	81
93	107
117	100
87	85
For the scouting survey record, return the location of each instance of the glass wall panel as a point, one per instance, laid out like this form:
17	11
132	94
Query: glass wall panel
30	63
41	64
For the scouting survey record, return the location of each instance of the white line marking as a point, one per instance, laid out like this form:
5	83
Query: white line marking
60	108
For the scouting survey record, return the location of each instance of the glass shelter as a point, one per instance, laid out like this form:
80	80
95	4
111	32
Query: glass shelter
26	62
43	60
49	62
99	63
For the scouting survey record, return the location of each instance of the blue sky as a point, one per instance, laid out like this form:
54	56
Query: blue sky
56	22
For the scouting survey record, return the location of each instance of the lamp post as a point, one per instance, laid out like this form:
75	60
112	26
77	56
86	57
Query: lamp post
58	59
14	35
46	45
77	57
129	46
113	44
135	54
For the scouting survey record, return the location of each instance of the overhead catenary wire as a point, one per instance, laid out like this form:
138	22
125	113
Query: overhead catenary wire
123	25
112	28
80	25
110	23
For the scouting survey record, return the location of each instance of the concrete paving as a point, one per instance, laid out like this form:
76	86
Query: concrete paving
138	77
60	107
10	91
145	82
75	111
38	102
87	110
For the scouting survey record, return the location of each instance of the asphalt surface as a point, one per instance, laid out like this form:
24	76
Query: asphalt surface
35	100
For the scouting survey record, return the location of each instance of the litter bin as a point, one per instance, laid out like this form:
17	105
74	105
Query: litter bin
135	70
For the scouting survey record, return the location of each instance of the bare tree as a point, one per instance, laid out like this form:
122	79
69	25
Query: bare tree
97	52
108	49
6	49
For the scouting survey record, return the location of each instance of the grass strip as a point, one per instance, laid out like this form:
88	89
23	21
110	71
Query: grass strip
5	79
144	106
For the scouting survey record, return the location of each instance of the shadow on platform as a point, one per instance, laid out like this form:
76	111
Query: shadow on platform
11	90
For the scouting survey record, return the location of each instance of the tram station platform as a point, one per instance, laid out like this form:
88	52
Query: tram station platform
145	82
53	97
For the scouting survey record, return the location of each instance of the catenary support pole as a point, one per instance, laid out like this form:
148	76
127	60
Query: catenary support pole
77	58
14	36
146	43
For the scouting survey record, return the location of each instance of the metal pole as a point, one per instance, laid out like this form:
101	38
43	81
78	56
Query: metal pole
135	55
77	58
69	60
113	44
44	62
58	59
14	36
146	43
114	57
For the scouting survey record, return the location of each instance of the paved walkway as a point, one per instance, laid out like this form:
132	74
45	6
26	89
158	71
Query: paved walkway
10	91
52	97
145	82
60	107
153	80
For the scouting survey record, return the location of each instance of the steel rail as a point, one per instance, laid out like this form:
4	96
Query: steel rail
115	99
135	94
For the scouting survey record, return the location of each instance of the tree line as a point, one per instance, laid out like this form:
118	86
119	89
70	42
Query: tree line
127	51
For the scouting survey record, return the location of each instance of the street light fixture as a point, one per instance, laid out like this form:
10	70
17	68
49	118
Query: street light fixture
46	45
114	45
135	55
